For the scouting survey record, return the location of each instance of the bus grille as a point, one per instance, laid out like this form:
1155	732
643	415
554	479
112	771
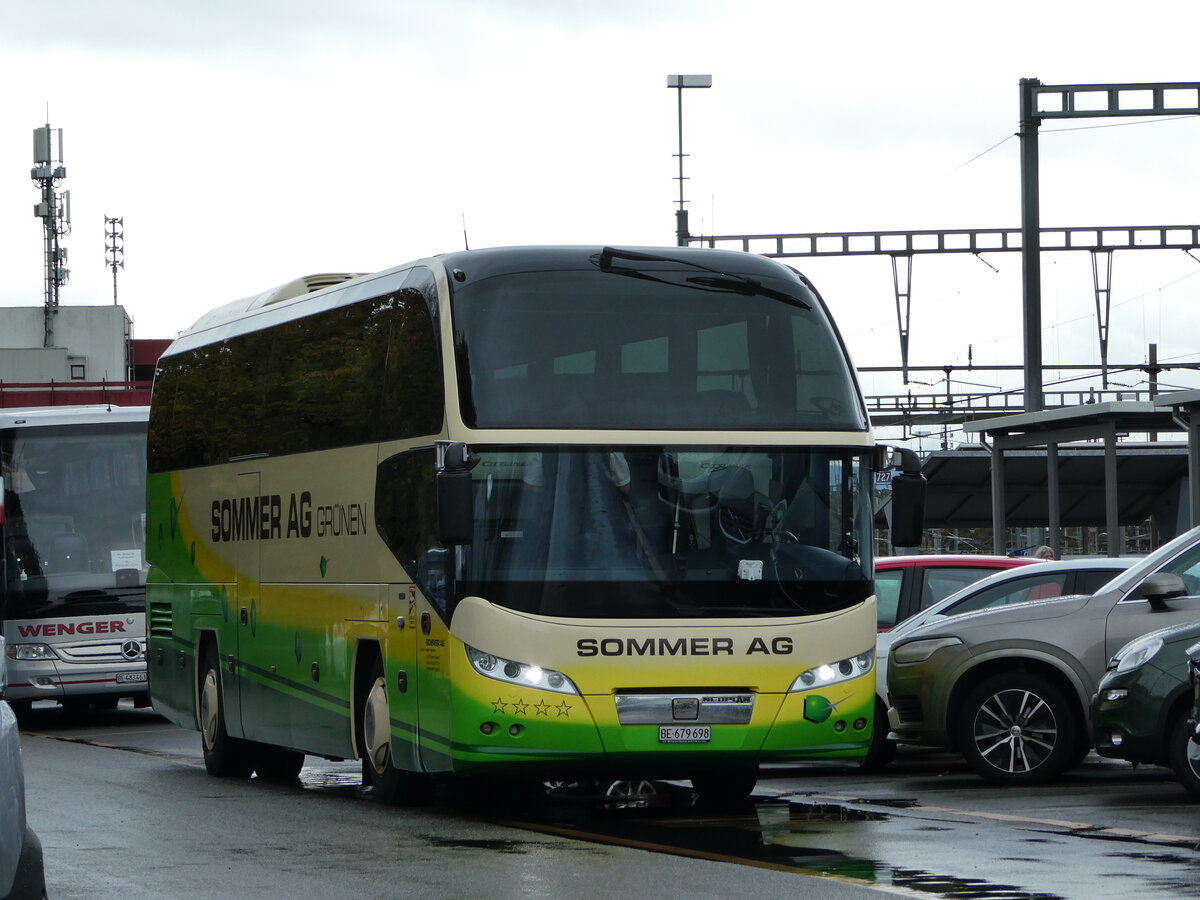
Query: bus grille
160	620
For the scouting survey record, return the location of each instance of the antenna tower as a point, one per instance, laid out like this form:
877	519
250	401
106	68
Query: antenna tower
114	248
55	212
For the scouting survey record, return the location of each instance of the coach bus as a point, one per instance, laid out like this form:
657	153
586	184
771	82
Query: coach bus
545	511
72	525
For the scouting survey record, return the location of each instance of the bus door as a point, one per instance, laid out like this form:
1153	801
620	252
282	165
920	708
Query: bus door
402	676
240	691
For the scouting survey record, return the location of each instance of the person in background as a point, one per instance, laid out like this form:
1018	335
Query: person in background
1043	552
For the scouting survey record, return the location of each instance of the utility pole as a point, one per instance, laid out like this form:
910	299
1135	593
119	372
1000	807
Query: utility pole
679	82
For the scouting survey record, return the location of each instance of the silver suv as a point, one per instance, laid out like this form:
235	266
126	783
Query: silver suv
1010	688
21	873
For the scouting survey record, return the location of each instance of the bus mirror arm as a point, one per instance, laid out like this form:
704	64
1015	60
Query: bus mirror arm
908	496
456	502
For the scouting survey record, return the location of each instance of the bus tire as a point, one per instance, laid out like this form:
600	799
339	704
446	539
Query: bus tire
725	789
277	764
388	784
224	756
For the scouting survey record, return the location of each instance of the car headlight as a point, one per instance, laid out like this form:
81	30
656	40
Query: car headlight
31	651
518	673
1137	653
921	650
832	673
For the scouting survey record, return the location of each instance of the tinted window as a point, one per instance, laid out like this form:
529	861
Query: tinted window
1018	590
359	373
942	581
887	595
587	348
1090	582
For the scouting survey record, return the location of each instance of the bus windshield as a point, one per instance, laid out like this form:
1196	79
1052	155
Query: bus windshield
651	345
74	520
660	532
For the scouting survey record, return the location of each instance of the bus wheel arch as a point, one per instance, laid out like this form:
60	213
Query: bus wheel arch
224	756
389	783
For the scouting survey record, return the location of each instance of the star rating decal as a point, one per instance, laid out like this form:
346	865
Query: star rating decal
563	709
542	708
498	705
520	708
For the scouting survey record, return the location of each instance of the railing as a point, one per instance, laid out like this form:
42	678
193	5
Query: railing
17	394
977	405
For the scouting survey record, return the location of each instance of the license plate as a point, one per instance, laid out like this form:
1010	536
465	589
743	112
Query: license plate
130	677
684	734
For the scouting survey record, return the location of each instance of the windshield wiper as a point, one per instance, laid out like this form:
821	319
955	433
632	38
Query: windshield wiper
721	281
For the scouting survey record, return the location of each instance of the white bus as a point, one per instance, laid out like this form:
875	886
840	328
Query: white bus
72	519
542	510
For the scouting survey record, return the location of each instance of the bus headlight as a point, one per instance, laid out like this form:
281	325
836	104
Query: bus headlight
31	651
832	673
518	673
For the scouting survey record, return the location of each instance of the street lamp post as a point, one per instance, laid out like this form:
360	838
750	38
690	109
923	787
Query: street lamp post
679	82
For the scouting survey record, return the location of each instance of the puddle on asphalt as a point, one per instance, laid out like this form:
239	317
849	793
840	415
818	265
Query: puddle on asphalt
782	833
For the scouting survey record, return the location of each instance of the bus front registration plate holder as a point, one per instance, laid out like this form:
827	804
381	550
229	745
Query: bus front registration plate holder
684	734
130	677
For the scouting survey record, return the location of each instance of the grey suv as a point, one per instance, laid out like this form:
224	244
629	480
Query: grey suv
1010	688
21	873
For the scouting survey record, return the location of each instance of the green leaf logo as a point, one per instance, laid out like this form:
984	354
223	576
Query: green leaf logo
817	709
324	566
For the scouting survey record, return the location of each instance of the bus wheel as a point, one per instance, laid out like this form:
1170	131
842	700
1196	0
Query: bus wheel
727	789
224	756
279	764
388	783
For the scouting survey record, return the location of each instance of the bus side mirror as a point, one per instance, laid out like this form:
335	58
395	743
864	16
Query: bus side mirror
456	500
908	499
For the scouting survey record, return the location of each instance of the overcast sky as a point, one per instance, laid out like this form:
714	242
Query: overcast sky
246	142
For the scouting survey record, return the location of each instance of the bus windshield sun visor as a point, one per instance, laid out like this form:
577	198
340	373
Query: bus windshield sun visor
720	281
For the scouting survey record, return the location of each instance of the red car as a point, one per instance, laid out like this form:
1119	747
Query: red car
905	585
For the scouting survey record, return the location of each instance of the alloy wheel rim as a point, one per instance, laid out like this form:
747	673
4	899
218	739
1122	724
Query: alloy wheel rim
1015	731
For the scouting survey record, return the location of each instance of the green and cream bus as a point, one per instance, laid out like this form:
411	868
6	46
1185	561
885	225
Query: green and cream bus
551	511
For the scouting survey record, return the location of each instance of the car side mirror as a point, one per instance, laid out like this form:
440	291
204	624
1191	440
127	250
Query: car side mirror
1161	587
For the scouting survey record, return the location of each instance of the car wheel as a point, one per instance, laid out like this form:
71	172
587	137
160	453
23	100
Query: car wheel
1017	729
1184	754
882	751
388	784
224	756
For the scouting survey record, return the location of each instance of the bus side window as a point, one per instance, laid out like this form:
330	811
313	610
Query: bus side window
406	513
